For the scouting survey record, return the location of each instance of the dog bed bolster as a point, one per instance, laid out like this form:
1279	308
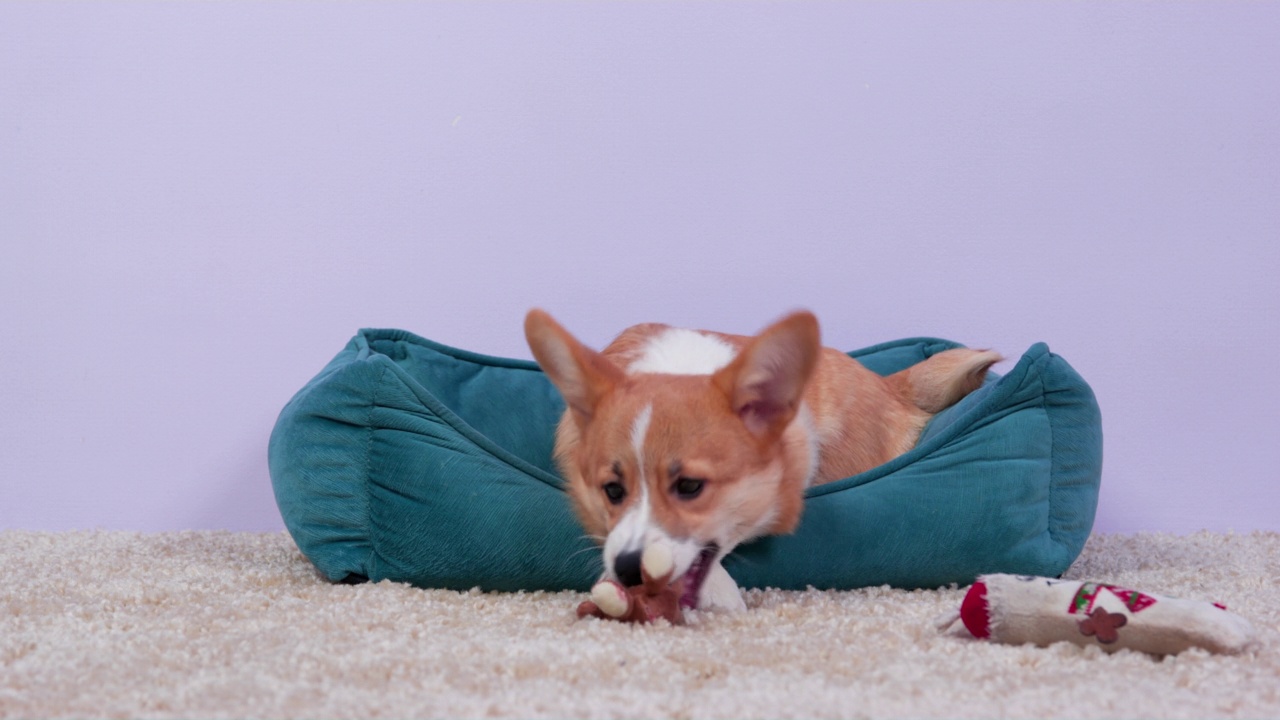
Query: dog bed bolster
409	460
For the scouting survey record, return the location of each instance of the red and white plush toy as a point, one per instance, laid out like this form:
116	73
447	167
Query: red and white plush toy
1018	609
655	598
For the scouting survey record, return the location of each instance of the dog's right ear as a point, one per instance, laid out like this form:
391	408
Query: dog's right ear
765	383
582	375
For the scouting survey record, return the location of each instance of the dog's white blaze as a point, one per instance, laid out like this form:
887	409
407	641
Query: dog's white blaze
640	431
644	532
677	351
633	528
636	529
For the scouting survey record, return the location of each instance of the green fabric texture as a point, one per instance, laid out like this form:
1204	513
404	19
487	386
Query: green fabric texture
408	460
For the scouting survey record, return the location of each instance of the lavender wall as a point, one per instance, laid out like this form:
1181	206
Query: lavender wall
199	204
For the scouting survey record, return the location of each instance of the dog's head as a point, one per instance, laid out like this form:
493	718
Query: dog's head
703	462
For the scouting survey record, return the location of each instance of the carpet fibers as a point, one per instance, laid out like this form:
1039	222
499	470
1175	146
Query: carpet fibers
206	624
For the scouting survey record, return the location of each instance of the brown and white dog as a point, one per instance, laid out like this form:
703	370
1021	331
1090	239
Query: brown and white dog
705	440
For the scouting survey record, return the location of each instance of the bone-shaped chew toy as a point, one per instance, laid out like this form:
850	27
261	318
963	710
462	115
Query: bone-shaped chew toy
1017	609
656	597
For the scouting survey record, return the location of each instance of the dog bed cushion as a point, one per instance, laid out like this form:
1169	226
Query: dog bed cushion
408	460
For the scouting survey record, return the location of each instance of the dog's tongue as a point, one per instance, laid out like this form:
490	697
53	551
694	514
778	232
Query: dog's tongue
689	597
695	576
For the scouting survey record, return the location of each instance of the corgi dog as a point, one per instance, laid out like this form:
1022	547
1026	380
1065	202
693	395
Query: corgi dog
704	440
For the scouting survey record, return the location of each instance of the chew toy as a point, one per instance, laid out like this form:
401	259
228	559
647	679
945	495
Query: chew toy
656	597
1018	609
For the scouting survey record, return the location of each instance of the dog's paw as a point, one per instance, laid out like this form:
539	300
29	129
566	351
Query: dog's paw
720	593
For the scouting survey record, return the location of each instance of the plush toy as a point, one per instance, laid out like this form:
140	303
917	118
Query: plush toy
656	597
1017	609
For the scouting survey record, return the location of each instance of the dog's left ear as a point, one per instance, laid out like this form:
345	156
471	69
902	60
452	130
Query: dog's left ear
765	382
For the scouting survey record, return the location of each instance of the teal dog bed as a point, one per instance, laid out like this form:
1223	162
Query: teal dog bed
412	461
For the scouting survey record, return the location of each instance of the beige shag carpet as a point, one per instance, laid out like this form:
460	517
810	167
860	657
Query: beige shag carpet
205	624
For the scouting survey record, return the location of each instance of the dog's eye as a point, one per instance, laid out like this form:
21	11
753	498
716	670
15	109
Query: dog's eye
688	488
614	491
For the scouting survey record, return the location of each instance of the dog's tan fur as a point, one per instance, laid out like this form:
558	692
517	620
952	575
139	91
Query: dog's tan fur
782	414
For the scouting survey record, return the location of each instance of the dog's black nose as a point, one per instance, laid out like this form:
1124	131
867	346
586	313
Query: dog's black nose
627	567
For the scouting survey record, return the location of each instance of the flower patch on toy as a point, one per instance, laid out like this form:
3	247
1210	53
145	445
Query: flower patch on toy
1019	609
656	597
